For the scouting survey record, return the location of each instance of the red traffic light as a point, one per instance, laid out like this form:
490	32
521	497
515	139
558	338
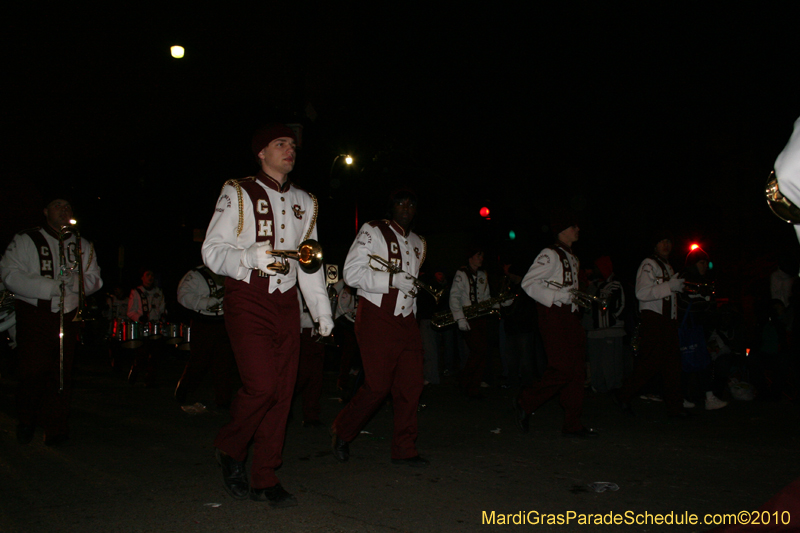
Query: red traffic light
485	212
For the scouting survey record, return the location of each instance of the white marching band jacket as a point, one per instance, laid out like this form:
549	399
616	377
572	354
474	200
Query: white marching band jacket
194	293
652	287
460	291
548	267
372	285
233	229
787	170
23	263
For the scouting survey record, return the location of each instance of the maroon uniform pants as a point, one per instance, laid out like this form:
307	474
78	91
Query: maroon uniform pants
348	347
264	330
391	351
565	346
472	374
38	399
309	375
210	350
659	354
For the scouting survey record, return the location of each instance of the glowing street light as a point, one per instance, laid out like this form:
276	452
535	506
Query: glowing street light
348	160
177	51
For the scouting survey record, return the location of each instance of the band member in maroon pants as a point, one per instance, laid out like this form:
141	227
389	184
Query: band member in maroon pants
254	216
387	330
201	292
470	287
32	269
550	279
310	369
659	352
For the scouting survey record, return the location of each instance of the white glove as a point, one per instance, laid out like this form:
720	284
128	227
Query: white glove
563	296
676	285
211	302
69	279
325	325
255	257
463	325
508	302
55	290
404	283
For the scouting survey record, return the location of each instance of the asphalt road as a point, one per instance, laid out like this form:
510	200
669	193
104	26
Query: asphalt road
137	462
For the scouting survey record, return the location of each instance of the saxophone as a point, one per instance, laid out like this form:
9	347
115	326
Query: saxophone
443	319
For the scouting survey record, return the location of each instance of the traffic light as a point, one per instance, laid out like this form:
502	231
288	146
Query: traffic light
485	212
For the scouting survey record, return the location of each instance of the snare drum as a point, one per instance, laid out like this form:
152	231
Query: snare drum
117	330
172	332
153	331
132	334
186	338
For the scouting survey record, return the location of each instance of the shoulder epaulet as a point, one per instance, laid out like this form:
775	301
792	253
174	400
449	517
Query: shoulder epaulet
313	216
30	230
237	184
376	223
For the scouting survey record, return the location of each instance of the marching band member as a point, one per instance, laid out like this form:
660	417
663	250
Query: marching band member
201	291
787	171
32	269
253	216
551	277
345	318
146	304
310	368
470	287
387	330
656	289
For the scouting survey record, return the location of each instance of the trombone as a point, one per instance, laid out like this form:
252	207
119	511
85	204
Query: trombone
392	269
308	256
76	265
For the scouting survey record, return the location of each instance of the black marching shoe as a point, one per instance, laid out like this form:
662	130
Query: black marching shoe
234	476
341	449
416	461
276	496
25	433
583	433
523	418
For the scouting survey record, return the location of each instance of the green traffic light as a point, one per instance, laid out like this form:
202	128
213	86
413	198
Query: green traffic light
512	235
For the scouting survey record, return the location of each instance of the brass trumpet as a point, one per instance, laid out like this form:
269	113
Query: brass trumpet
582	298
705	289
392	269
308	256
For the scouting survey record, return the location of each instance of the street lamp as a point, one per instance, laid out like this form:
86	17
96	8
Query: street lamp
347	159
176	51
334	184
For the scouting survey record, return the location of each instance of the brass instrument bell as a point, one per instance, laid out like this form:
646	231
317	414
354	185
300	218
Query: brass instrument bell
783	208
308	256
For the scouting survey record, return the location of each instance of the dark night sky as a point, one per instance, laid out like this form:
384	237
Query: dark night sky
636	117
